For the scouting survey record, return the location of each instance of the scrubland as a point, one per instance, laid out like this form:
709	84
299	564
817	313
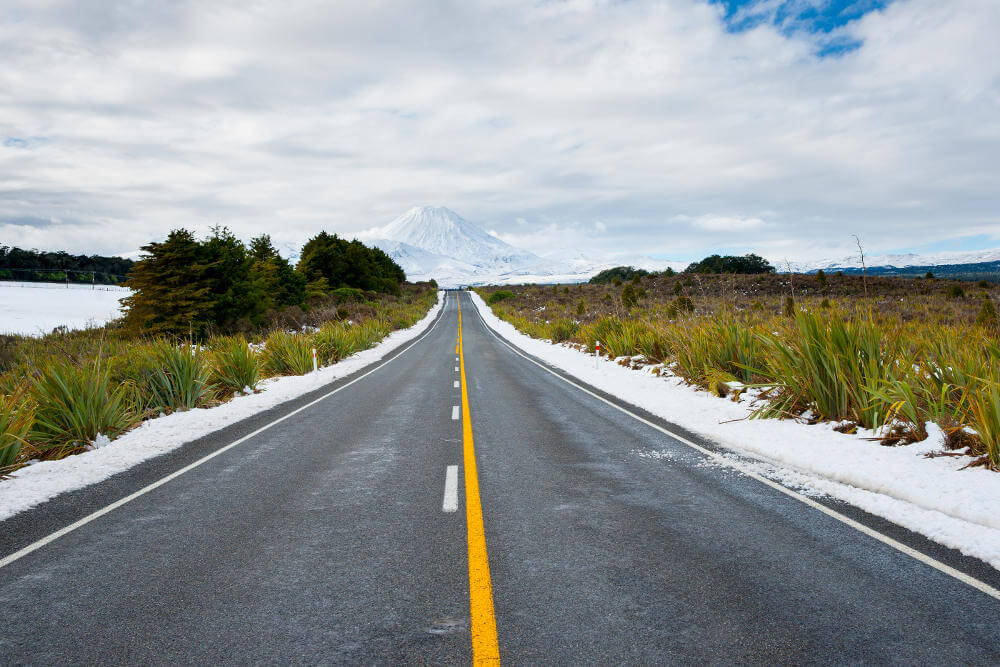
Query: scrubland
63	393
888	354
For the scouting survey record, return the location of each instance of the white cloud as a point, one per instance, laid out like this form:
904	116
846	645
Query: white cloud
722	223
268	116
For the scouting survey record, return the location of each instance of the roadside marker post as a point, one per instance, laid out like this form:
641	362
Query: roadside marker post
597	353
315	365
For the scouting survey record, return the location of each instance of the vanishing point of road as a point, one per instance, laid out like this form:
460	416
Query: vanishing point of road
459	502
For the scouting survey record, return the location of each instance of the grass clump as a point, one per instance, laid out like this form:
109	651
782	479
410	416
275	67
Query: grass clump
75	404
181	380
287	354
16	418
334	341
830	366
233	365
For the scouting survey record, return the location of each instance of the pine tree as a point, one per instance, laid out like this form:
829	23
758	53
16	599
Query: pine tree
238	300
170	290
344	263
280	284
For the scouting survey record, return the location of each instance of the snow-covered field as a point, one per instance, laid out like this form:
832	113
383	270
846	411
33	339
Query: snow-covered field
33	309
37	483
931	496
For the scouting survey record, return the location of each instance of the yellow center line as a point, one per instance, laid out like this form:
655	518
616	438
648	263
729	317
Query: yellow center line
484	626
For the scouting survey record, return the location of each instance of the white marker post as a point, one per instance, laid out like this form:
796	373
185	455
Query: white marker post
315	365
597	352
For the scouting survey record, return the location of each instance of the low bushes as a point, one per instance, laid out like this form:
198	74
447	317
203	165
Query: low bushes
58	393
869	369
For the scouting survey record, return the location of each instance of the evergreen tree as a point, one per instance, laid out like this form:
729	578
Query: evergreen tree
171	292
278	280
750	263
236	294
344	263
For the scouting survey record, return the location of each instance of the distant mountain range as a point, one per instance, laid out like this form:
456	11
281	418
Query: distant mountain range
965	265
435	242
907	260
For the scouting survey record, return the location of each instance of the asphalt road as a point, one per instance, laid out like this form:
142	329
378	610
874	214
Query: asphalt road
326	539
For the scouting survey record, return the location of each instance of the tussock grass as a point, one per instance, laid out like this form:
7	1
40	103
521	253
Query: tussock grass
333	342
886	364
16	418
58	392
234	366
74	405
181	380
287	354
830	366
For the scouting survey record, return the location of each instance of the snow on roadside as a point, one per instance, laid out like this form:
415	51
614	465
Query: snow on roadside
957	508
37	483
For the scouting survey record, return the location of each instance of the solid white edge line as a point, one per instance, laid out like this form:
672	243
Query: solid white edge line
454	412
860	527
450	502
38	544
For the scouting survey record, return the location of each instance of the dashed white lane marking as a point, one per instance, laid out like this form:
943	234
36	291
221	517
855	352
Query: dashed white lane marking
454	412
456	369
450	503
456	384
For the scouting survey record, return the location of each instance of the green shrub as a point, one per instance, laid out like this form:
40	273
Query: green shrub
348	294
74	405
234	366
956	292
629	298
287	354
987	316
499	296
683	304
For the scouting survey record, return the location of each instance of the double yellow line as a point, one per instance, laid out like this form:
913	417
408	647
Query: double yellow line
484	625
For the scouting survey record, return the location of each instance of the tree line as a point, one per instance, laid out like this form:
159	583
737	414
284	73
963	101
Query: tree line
186	285
749	263
38	266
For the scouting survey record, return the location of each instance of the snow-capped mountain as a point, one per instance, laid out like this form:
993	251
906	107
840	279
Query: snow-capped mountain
897	261
443	232
435	242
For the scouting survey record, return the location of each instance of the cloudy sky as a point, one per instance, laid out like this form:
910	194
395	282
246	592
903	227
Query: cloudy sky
673	127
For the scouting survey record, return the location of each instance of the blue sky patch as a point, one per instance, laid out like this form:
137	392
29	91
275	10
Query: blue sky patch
818	17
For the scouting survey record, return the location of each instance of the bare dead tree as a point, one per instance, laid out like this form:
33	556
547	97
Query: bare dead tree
864	270
791	287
